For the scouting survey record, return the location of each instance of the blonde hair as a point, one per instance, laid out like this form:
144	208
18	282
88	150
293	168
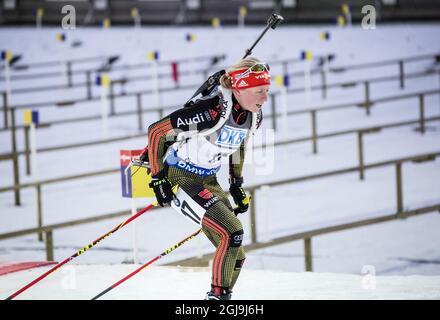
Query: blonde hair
226	79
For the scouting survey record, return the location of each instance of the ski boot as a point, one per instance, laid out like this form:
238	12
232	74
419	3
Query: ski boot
218	293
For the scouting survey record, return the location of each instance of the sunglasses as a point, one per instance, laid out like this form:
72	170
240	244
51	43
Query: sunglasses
259	67
256	68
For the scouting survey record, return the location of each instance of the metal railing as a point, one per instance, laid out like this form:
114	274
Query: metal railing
323	87
69	73
255	244
307	236
44	64
274	115
48	230
139	110
87	73
314	138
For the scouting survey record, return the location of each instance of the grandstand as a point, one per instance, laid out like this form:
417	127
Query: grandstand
201	12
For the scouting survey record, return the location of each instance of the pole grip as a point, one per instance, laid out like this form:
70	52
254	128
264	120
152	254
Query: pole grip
274	20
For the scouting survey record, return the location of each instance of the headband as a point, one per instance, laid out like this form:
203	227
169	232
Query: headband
245	78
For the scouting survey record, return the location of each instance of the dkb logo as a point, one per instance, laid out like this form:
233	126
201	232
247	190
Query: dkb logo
231	137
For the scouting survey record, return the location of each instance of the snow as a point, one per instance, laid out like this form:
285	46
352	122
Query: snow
403	254
155	283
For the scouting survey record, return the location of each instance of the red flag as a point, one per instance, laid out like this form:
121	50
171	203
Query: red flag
175	72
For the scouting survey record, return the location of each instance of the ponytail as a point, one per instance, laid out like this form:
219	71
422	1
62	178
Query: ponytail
226	81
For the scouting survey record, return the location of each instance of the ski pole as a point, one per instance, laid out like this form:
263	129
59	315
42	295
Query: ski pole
81	251
147	264
213	80
273	21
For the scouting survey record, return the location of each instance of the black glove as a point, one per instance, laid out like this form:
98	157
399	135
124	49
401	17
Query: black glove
162	189
239	195
144	155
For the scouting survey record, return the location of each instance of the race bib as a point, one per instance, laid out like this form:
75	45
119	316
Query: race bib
194	208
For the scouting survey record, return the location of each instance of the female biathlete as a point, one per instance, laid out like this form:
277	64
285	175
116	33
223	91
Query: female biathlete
186	148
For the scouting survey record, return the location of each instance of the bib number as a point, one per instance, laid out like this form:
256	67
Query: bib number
186	206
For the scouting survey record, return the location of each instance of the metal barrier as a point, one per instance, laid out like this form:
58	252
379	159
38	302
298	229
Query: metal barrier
366	83
367	103
87	73
48	230
314	138
44	64
324	86
307	236
313	113
69	72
